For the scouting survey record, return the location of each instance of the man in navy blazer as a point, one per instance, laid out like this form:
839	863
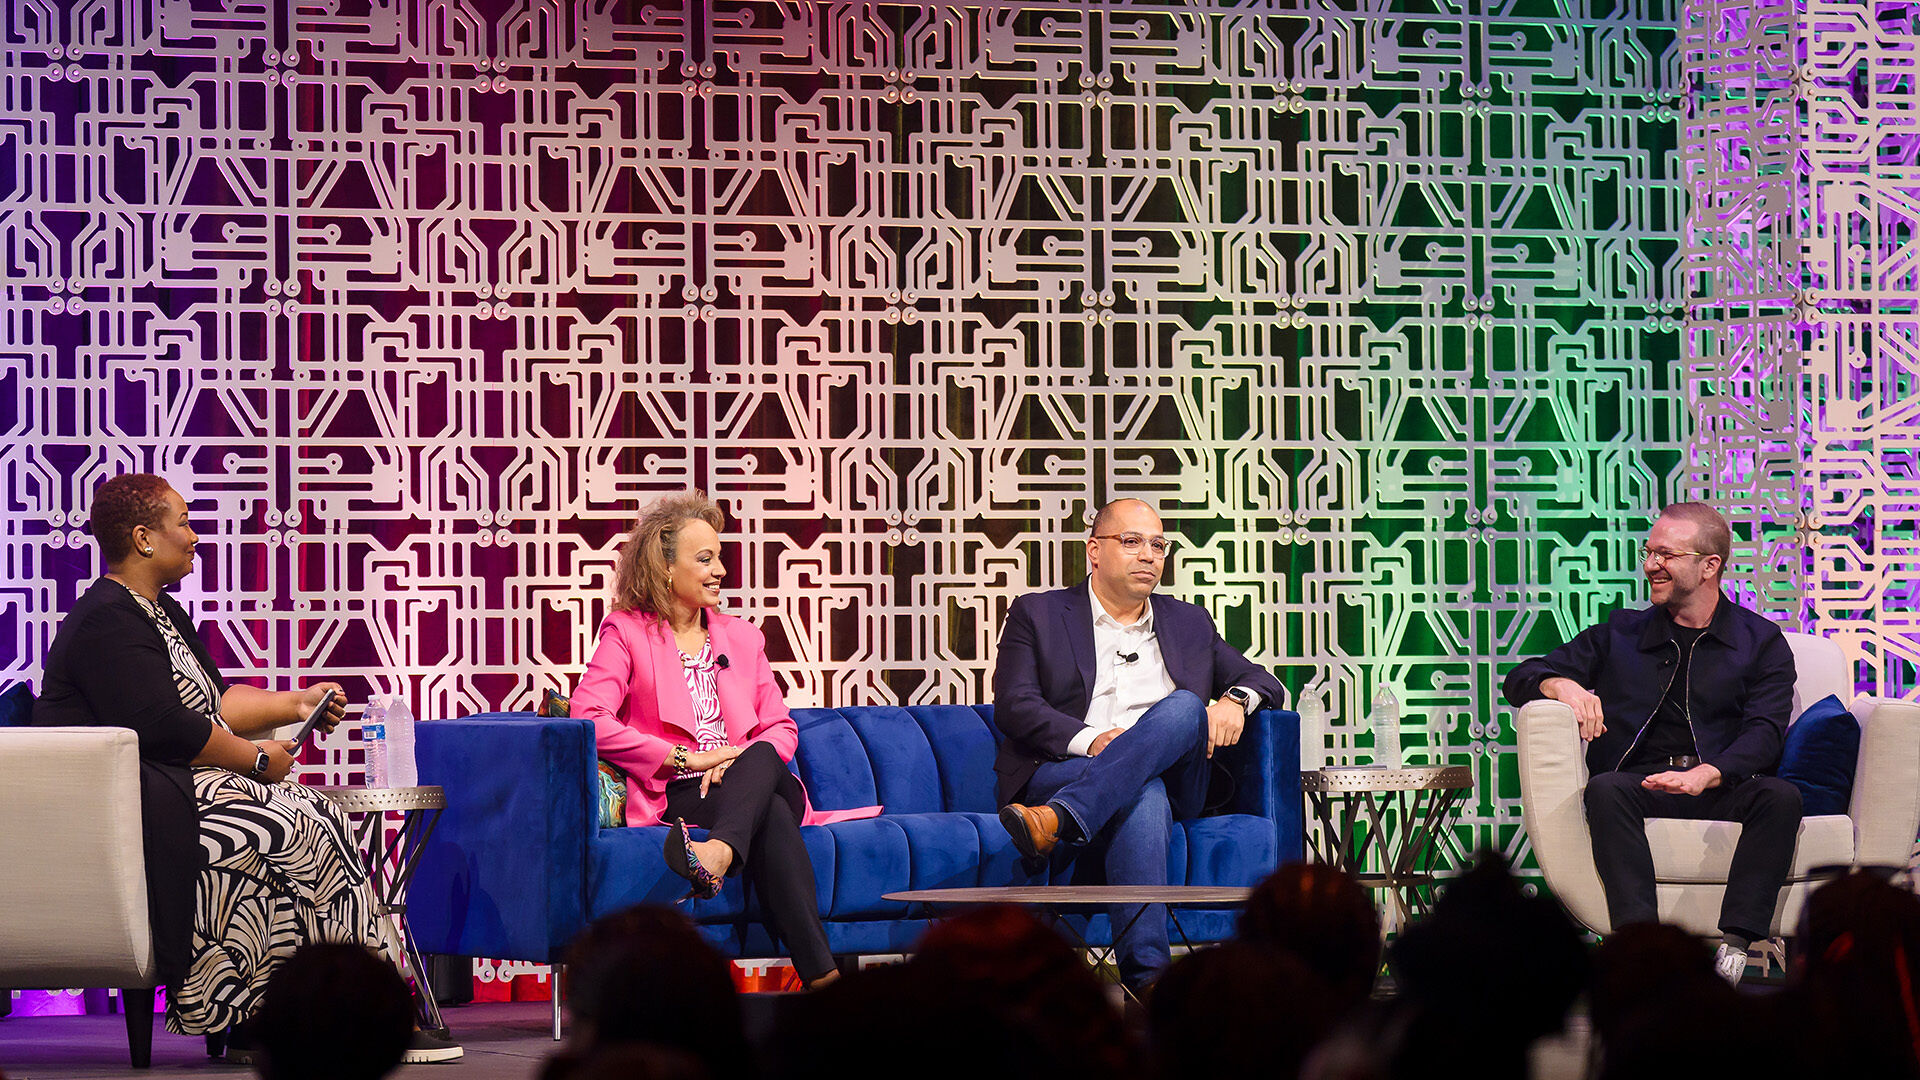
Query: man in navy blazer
1103	692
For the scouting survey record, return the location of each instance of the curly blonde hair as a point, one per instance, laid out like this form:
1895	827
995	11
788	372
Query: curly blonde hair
640	578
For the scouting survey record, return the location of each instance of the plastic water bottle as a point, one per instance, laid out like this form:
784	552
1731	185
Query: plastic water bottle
373	740
1386	728
1313	728
401	770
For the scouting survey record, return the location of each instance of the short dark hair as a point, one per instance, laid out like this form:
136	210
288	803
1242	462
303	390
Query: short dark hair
645	974
334	1011
121	504
1715	536
1103	520
1322	916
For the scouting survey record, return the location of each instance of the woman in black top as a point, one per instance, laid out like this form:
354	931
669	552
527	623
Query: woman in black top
273	863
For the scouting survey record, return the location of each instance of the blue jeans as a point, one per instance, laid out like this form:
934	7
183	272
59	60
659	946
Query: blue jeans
1124	803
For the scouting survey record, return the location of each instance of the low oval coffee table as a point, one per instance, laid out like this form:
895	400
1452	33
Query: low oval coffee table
1058	900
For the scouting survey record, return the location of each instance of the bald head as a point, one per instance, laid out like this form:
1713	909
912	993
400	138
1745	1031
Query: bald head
1105	521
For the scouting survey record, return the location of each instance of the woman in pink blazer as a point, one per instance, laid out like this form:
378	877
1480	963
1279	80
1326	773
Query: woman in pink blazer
683	701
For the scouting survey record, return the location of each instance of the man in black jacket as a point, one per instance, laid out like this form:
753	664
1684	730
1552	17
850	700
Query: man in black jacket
1684	706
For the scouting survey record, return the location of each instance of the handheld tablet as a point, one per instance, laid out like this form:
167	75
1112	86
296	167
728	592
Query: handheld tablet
313	718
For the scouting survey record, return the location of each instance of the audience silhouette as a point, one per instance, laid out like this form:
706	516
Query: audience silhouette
1475	983
644	977
333	1012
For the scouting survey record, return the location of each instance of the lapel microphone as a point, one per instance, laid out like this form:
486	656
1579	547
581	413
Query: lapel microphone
721	662
1128	657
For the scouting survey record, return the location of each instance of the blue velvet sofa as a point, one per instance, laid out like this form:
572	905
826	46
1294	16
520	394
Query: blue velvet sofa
518	864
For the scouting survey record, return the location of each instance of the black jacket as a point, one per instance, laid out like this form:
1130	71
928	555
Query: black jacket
108	667
1740	695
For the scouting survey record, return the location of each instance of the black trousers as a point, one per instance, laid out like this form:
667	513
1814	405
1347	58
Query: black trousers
1767	808
756	810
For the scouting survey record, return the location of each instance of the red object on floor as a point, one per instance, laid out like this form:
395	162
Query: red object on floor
514	980
511	980
765	976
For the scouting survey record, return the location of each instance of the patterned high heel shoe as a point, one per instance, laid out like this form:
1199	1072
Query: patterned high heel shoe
681	860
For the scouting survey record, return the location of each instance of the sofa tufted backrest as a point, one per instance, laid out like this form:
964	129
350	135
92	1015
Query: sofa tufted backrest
964	741
832	761
925	759
1820	668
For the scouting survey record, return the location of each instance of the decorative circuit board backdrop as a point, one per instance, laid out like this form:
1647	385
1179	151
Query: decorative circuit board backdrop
1804	334
417	302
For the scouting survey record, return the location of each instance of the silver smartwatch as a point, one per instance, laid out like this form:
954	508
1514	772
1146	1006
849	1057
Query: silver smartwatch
259	766
1239	697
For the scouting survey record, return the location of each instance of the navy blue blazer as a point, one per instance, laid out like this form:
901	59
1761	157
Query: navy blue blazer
1043	675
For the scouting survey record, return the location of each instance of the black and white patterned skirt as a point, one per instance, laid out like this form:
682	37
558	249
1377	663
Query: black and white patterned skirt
281	872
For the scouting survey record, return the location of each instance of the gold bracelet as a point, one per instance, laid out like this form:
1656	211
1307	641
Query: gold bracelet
680	758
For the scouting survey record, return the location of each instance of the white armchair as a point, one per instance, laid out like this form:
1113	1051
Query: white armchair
1690	858
73	886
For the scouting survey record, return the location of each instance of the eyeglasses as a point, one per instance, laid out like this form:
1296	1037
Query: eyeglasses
1659	558
1131	543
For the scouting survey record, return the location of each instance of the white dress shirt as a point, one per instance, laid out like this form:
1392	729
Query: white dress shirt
1124	689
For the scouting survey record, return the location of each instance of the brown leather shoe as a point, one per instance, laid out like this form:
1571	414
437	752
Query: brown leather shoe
1035	829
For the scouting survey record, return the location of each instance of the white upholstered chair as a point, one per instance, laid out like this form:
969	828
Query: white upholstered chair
73	886
1690	858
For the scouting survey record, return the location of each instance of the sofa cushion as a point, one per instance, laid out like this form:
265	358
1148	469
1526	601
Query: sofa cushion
905	777
1701	851
1821	750
832	761
16	705
624	868
1231	850
872	857
943	850
612	786
963	751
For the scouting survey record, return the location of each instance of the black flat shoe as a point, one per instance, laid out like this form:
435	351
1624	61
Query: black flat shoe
236	1045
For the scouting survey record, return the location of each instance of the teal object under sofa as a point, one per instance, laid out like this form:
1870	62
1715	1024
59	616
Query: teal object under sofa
518	863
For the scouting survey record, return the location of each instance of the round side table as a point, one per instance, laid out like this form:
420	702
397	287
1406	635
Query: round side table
390	866
1398	817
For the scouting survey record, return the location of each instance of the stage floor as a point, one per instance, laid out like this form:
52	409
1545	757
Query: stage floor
504	1041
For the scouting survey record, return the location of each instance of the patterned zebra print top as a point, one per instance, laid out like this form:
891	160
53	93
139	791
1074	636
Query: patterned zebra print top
703	684
198	690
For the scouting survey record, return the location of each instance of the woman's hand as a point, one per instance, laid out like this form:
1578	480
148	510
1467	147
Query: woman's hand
280	760
310	697
704	760
712	765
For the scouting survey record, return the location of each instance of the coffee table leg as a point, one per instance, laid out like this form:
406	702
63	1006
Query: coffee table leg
1105	954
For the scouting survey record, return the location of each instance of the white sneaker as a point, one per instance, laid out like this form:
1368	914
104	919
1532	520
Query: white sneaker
1730	963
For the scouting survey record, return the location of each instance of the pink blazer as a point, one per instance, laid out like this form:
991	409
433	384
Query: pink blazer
636	696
